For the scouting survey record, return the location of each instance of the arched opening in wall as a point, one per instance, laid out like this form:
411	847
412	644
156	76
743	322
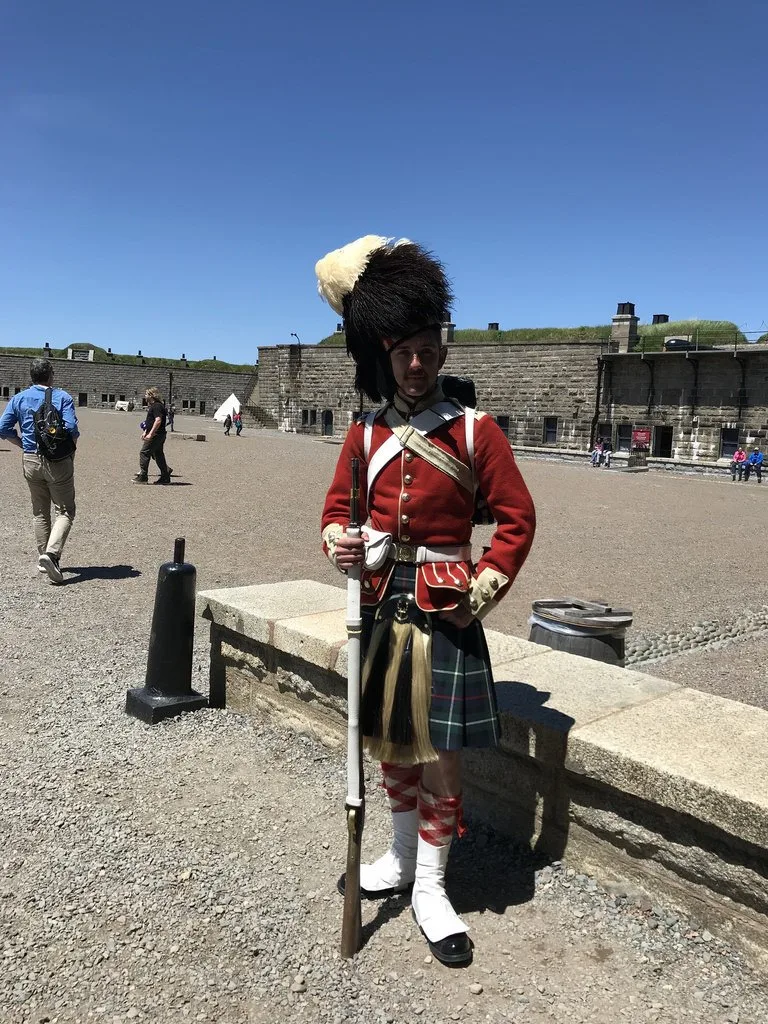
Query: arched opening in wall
327	422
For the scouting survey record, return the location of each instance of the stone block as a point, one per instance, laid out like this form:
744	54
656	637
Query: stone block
692	752
253	610
314	638
559	692
504	648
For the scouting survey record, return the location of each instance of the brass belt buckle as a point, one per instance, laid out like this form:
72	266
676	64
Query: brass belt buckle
405	553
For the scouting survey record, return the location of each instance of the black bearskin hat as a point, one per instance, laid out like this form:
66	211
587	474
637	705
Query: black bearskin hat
386	291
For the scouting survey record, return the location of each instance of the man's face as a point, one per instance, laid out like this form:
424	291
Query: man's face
416	363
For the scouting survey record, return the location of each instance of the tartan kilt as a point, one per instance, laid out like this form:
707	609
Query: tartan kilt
464	712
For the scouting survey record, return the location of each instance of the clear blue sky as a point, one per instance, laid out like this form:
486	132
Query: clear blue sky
171	171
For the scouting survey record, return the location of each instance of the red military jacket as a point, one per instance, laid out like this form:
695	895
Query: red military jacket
420	505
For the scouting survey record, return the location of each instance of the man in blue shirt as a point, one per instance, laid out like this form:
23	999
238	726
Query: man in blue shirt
48	482
754	465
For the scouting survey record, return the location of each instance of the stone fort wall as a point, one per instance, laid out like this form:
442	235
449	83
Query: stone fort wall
698	405
536	391
100	385
702	403
563	395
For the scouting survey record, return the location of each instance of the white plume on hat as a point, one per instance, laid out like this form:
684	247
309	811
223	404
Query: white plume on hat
338	271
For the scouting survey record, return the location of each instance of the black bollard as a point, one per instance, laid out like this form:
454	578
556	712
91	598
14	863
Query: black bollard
168	687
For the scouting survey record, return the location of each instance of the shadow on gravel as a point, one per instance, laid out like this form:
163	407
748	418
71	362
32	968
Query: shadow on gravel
387	910
99	572
525	785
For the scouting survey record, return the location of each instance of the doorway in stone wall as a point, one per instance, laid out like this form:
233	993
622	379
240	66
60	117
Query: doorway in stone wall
82	398
662	442
327	422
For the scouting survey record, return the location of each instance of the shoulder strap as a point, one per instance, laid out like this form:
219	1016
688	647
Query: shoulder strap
412	435
368	434
469	433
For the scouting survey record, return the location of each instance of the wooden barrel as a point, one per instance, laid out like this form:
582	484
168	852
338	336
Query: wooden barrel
591	629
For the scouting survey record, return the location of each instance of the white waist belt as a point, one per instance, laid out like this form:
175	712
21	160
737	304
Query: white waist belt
421	554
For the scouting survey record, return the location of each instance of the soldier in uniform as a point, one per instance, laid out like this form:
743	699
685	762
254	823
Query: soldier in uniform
424	458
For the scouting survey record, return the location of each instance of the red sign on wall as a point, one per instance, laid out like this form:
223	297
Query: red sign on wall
641	438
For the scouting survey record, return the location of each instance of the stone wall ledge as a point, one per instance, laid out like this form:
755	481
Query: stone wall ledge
625	775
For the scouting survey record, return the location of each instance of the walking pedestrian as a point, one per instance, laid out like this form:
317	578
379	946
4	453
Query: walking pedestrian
171	416
423	598
237	419
227	425
47	463
153	440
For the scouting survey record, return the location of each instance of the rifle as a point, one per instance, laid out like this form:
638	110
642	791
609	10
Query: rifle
351	928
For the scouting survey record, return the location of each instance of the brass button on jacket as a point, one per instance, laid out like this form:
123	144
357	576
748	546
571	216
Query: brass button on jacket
407	479
405	496
409	456
405	519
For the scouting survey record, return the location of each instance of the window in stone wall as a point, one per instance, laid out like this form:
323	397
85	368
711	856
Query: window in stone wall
184	404
192	403
111	399
103	399
6	392
122	398
605	431
16	391
503	422
624	437
202	408
305	417
313	417
550	429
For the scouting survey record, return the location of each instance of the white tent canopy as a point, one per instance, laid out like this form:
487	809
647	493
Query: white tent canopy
230	407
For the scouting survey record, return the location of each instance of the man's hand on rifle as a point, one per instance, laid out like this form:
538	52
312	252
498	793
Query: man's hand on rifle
350	551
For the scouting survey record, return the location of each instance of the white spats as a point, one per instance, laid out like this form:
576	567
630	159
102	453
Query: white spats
397	867
338	271
431	907
438	817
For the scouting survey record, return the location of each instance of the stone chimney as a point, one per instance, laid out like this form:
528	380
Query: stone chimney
624	327
660	318
446	332
493	326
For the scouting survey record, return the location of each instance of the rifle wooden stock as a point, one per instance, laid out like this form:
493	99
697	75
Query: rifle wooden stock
351	929
352	921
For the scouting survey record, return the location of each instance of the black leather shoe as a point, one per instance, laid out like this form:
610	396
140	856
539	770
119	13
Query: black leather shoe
377	894
453	950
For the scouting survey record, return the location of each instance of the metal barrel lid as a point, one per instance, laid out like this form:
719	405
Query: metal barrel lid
572	611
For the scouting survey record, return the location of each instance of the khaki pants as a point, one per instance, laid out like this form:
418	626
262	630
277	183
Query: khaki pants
51	483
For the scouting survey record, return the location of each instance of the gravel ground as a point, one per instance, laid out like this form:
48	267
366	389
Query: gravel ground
167	873
732	667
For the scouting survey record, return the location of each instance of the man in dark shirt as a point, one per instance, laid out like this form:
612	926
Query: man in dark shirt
153	440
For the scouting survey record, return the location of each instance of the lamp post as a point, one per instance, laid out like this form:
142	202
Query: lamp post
294	335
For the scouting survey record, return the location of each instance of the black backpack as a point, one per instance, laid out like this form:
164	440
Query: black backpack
54	441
